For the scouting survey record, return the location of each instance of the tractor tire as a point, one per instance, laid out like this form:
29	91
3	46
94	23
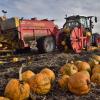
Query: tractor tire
46	44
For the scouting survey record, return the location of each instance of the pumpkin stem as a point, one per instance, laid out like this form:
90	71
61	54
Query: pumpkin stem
66	61
20	72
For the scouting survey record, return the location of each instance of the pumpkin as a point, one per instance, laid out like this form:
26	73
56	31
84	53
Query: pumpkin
96	69
92	62
83	66
16	89
15	59
68	69
40	84
63	82
92	48
65	48
3	98
66	30
50	74
96	78
79	83
27	75
96	57
88	34
63	43
86	73
77	62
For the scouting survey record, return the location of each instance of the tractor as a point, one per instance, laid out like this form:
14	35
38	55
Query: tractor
76	33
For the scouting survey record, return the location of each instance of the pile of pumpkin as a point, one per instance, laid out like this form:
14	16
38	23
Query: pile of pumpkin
75	77
29	84
78	76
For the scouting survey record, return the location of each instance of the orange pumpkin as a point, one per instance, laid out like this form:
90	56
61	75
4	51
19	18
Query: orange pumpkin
93	62
63	82
63	43
92	48
86	73
3	98
79	83
66	30
40	84
49	73
88	33
77	62
96	57
96	69
96	78
17	89
83	66
27	75
68	69
15	59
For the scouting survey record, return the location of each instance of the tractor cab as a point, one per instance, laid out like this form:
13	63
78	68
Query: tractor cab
79	21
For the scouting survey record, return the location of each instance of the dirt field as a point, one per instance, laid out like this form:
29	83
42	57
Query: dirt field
37	62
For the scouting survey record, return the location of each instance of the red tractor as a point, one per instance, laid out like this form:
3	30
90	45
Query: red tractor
76	33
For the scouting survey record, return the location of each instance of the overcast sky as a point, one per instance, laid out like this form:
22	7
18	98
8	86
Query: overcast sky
52	9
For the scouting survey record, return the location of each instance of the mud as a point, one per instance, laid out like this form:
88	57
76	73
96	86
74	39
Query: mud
54	61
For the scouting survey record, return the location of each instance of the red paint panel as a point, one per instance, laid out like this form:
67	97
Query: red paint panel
35	28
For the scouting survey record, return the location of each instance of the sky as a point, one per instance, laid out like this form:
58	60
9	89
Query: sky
52	9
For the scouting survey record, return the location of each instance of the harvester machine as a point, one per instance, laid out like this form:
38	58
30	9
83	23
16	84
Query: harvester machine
28	33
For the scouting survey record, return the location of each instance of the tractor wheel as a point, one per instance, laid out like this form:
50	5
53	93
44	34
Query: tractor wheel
76	39
46	44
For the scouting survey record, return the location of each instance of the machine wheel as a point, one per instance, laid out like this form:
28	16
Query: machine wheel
77	39
46	44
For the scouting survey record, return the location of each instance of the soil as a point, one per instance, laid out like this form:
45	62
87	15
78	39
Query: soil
35	62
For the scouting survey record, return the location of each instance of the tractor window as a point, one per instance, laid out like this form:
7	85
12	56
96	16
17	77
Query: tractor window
71	24
74	24
83	21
